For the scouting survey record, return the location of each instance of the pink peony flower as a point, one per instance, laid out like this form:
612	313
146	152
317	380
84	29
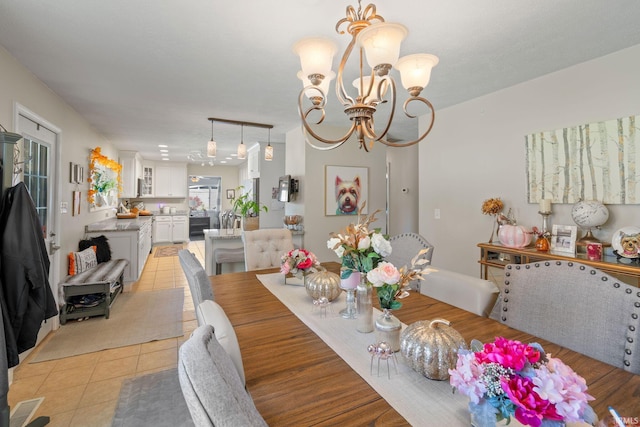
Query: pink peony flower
508	353
531	409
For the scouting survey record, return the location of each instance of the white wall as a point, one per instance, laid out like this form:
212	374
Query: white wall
311	200
476	150
77	138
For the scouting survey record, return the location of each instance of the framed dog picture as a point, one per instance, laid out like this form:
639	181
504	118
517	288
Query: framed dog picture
563	238
346	187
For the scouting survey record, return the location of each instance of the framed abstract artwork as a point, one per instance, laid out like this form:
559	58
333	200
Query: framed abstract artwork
346	188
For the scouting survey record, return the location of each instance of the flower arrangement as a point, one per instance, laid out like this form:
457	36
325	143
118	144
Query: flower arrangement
507	378
299	262
359	248
100	178
492	206
392	284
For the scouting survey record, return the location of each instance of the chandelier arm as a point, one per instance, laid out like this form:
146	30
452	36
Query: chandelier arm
369	123
308	130
333	145
321	101
421	137
341	92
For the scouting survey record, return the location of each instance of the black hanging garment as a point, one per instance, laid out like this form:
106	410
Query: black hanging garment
25	295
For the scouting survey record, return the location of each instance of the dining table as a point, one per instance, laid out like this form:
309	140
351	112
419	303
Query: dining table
295	378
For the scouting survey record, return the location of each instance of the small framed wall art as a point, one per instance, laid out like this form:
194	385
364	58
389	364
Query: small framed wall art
563	238
346	188
231	194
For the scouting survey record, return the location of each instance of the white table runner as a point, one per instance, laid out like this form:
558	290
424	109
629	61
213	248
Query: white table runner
419	400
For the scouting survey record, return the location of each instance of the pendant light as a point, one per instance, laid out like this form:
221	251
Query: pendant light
242	149
211	145
268	151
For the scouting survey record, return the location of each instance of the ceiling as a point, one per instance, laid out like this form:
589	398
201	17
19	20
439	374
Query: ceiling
145	72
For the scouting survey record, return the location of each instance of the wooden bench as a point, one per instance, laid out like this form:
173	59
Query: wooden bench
106	278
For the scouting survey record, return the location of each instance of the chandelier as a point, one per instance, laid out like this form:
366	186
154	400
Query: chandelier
380	42
242	148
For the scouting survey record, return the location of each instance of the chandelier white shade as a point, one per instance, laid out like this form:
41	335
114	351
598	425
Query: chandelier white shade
211	145
380	43
268	150
211	149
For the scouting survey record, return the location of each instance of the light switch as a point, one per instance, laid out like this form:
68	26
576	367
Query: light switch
436	213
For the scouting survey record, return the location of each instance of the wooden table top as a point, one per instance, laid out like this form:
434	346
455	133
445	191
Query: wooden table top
295	379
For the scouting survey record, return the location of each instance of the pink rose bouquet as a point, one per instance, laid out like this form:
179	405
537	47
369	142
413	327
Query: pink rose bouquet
392	284
507	379
298	262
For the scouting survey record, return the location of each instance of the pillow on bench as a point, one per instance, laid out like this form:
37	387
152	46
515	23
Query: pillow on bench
82	261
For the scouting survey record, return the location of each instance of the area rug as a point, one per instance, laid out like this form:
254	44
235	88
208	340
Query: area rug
136	318
152	400
164	251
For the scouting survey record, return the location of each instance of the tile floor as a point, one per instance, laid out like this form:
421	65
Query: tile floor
82	391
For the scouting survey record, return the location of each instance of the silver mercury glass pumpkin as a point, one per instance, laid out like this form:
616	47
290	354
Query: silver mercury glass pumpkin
323	284
430	347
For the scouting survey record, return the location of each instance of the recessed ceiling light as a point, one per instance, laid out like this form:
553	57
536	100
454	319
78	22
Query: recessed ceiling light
165	158
223	161
164	151
163	146
228	158
164	154
234	155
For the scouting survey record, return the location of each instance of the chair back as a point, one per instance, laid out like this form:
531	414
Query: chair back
575	306
210	313
406	246
199	283
263	248
211	385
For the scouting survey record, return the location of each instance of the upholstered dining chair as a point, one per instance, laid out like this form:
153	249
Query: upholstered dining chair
575	306
404	247
263	248
210	313
199	283
211	385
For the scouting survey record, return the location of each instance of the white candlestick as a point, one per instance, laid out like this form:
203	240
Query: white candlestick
545	205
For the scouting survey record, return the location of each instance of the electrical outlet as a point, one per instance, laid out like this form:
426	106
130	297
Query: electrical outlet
436	213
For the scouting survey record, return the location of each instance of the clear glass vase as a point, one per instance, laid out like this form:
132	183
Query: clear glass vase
364	303
388	329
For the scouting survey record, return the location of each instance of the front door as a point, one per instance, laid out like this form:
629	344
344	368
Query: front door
36	166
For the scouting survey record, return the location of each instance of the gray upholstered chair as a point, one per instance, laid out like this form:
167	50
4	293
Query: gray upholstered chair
575	306
263	248
211	385
210	313
199	283
404	247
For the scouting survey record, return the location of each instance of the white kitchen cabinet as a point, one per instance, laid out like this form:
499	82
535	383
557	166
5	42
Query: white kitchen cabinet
131	170
170	228
171	180
180	232
148	176
133	245
162	227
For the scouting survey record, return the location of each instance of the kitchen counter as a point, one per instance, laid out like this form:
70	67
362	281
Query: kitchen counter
115	224
177	213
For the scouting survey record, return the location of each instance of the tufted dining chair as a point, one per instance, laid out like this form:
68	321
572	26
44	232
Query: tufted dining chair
263	248
575	306
404	247
199	283
211	385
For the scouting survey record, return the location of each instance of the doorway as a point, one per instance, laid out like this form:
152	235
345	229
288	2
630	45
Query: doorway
39	166
204	204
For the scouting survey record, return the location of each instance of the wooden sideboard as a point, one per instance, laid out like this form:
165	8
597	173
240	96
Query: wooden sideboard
497	255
